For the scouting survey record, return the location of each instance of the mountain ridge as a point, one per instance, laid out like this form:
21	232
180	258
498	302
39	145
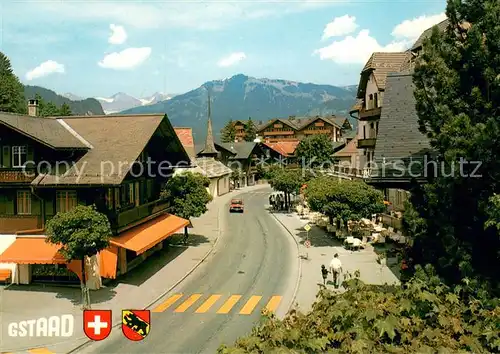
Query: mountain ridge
121	101
85	106
242	96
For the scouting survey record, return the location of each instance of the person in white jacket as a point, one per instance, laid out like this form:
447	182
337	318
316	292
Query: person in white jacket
336	269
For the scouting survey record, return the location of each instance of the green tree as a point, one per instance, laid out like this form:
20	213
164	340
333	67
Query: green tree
457	89
250	130
187	196
425	316
228	133
11	89
287	181
343	200
65	110
315	150
82	232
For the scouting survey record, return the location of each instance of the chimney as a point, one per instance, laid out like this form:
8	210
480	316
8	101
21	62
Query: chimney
33	108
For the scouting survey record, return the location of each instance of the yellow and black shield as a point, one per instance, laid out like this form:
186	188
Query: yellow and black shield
136	324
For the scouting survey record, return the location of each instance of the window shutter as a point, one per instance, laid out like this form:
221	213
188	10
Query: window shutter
29	153
6	156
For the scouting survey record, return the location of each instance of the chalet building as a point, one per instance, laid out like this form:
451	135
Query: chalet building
371	90
297	128
282	151
50	165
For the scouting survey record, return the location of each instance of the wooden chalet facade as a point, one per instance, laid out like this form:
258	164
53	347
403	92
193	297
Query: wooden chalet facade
51	165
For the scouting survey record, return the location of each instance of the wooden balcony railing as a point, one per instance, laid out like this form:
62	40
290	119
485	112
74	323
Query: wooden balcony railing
17	175
284	132
366	143
373	113
127	217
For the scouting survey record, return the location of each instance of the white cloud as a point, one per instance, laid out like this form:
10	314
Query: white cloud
412	29
340	26
44	69
358	49
126	59
118	34
209	14
232	59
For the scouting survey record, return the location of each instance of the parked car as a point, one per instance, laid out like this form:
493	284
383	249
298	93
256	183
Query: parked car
236	206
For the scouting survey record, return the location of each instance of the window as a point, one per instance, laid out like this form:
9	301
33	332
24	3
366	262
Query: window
19	156
23	202
109	198
126	195
376	100
65	201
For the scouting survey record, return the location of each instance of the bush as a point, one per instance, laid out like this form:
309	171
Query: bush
424	316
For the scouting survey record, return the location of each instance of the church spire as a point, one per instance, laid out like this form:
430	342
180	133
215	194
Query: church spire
209	142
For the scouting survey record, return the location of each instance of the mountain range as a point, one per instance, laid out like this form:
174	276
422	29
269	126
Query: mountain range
80	106
241	97
122	101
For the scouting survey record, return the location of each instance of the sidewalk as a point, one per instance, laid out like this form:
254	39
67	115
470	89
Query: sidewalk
321	252
138	289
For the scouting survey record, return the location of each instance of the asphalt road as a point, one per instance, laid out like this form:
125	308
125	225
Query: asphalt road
254	257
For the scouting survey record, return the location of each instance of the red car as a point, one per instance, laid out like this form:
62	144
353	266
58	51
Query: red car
236	206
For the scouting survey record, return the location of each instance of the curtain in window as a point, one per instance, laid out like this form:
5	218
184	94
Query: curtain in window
24	202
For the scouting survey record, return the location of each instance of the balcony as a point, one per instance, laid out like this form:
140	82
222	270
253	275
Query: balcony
124	218
10	224
368	114
366	143
17	175
284	132
317	131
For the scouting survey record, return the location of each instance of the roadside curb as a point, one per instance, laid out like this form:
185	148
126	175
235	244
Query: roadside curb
158	298
299	278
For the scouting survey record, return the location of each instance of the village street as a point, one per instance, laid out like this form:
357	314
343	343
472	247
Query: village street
206	294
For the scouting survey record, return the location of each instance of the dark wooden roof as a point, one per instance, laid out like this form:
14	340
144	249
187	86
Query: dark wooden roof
48	131
427	33
114	139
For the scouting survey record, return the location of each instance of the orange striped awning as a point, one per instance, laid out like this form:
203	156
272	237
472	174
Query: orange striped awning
145	236
32	250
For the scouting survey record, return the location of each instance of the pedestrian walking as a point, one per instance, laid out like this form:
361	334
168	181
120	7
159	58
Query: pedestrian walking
336	269
324	273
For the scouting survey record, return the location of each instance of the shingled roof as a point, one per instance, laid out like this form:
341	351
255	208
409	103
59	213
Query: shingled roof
242	149
428	32
212	168
114	139
48	131
398	134
384	63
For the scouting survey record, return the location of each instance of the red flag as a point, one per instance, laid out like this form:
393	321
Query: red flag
97	324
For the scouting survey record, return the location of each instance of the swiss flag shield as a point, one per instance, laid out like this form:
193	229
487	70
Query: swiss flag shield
97	324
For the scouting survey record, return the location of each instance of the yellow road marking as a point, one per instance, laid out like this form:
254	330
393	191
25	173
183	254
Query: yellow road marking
229	304
188	303
40	351
273	304
250	305
208	304
166	304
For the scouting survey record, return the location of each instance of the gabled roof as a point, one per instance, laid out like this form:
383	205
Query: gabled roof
211	167
242	149
114	139
381	64
284	148
185	135
299	123
398	133
47	131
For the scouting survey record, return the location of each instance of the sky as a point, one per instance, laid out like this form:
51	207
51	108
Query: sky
96	48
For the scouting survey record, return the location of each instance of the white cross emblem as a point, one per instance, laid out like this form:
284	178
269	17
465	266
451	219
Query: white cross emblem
97	325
